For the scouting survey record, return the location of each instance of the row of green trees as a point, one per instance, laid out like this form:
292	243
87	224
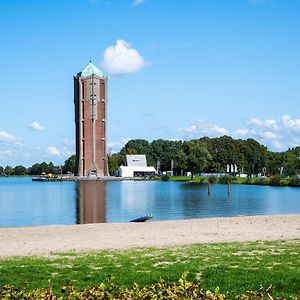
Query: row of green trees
39	168
211	155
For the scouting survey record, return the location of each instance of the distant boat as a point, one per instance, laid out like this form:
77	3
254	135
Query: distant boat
142	218
39	179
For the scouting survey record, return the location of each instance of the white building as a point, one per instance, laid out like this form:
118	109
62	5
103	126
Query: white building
136	166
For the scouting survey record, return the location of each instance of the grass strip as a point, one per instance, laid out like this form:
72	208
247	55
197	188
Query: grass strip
234	267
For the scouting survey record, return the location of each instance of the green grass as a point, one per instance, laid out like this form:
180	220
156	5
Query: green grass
234	267
275	181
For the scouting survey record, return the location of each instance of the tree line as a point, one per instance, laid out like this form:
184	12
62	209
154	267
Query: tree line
208	155
39	168
211	155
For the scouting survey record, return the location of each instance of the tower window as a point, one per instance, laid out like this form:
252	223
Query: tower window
82	110
82	90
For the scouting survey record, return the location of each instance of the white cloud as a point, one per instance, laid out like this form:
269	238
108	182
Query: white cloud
269	135
5	136
277	135
201	128
254	122
53	151
36	126
122	59
241	132
115	146
137	2
290	124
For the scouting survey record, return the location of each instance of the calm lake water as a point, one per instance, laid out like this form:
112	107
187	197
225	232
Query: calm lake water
27	203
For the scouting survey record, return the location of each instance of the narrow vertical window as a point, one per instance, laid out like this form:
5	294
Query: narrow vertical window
82	90
82	109
82	126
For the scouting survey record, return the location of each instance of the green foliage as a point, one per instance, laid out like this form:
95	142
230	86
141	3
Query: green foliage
9	171
114	161
294	181
165	178
261	181
34	169
19	170
235	267
70	165
250	156
139	146
165	151
213	179
276	180
38	169
225	179
183	289
193	157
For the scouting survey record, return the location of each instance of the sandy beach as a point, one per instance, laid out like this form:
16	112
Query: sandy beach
45	240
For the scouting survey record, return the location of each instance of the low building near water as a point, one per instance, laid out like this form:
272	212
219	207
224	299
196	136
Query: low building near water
136	167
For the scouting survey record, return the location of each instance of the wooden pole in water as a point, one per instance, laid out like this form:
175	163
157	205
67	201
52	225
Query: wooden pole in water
209	191
228	189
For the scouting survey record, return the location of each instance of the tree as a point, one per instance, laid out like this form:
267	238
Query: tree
43	168
52	169
1	171
165	151
34	169
9	171
139	146
70	164
113	163
223	151
193	157
19	170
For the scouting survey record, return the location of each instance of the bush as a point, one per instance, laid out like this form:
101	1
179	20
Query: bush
200	179
276	180
182	289
294	181
225	179
262	181
213	179
165	178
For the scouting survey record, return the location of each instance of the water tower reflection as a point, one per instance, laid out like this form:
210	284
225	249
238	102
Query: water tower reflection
91	202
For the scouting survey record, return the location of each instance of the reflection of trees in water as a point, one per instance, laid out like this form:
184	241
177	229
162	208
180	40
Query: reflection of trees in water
91	202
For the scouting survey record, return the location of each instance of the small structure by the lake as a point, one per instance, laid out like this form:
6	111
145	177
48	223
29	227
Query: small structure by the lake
90	99
136	167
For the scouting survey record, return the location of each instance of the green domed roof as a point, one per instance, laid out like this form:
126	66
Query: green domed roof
90	70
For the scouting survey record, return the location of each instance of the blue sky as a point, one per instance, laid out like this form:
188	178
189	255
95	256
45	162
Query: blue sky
177	70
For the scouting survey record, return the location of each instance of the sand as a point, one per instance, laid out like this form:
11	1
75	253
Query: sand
28	241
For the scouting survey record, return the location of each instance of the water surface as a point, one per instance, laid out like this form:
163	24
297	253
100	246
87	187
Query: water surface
27	203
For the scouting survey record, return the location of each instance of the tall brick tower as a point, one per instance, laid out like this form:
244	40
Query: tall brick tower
90	99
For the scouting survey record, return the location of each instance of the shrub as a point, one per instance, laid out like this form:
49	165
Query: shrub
213	179
262	181
182	289
276	180
294	181
225	179
165	178
200	179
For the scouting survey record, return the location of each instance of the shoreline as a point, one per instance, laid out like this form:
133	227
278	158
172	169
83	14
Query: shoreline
44	240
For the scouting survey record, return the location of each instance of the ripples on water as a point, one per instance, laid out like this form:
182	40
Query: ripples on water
27	203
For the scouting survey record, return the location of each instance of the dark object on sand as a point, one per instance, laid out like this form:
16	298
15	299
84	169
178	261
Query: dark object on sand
142	218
